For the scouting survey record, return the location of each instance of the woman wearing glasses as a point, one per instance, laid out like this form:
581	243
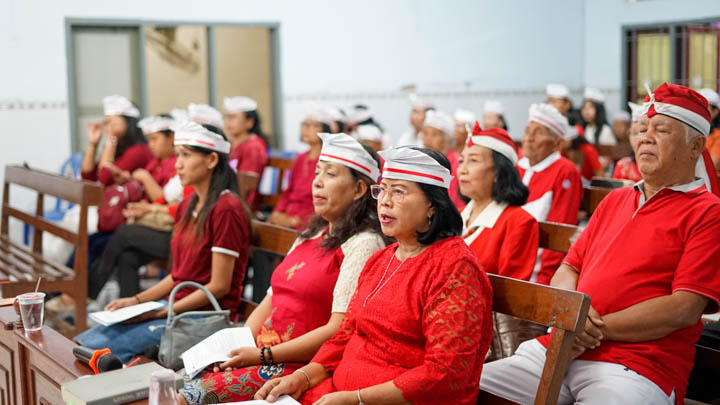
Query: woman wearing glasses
419	325
311	288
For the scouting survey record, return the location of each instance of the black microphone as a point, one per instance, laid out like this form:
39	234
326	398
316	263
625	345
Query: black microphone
99	360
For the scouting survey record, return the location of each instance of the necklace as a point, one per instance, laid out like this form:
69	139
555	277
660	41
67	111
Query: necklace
381	284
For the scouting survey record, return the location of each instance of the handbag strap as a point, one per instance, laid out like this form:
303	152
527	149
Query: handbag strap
171	312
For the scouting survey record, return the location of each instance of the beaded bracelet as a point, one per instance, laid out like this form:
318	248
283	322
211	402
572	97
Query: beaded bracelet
270	356
262	356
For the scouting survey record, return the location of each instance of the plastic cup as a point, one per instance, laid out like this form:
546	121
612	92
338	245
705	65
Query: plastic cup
32	308
162	388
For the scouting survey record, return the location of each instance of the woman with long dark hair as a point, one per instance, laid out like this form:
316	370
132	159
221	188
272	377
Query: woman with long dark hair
495	226
125	150
248	154
210	245
125	145
311	288
594	119
419	325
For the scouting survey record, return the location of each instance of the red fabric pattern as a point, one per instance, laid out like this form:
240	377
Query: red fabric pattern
227	227
428	329
302	298
626	169
677	235
297	199
510	247
135	157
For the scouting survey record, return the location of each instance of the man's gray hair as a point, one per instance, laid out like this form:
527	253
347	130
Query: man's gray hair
690	133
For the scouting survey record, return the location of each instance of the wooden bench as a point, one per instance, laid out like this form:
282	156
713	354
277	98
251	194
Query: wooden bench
565	311
592	196
270	238
283	166
557	237
22	266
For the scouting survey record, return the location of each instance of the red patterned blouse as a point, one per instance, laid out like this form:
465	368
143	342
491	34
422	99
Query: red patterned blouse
425	324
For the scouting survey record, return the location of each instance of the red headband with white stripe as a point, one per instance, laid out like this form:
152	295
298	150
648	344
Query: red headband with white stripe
345	150
413	165
679	102
496	139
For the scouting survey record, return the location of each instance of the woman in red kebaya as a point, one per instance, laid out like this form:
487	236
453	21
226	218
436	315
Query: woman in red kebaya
419	325
502	234
311	288
498	230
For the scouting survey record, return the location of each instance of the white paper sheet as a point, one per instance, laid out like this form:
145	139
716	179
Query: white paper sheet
283	400
215	348
108	318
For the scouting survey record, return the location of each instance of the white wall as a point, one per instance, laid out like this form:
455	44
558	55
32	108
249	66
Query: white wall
458	53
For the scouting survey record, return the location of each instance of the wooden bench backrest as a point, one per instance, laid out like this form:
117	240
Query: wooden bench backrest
592	196
82	193
555	236
27	265
272	238
607	182
283	165
566	311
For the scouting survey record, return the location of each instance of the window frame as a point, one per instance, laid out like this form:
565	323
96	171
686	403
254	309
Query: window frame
140	25
678	51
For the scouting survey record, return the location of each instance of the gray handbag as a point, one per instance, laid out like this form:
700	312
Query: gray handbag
183	331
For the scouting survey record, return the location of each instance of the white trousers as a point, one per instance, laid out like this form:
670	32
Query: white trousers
587	382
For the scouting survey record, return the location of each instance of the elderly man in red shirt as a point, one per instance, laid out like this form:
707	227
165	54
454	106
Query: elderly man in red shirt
650	261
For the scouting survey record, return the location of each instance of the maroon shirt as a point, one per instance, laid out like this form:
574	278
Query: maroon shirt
227	231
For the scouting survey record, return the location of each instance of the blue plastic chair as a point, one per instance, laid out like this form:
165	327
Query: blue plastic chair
71	168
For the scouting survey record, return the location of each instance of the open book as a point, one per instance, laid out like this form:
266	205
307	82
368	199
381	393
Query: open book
215	349
107	318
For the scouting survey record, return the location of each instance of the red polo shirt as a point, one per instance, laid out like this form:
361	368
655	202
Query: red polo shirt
227	232
634	250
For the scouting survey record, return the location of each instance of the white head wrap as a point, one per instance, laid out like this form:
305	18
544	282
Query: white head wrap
193	134
343	149
409	164
119	105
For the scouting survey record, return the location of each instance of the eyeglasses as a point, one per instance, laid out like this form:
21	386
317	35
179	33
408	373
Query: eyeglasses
378	192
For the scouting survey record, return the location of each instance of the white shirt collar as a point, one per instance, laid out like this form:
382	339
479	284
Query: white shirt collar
524	163
486	218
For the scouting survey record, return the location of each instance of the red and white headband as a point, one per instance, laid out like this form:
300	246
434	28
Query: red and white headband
193	134
549	117
344	150
678	102
496	139
413	165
